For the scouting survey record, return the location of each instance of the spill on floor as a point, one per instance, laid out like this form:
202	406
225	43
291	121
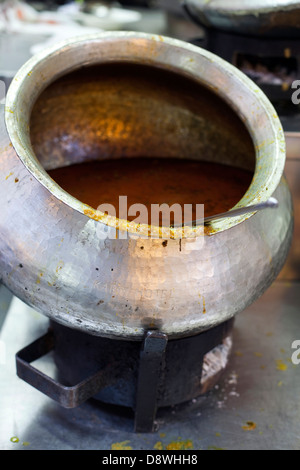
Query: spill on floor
121	446
249	426
280	365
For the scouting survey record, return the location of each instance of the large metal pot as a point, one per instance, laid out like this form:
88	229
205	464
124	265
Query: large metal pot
255	17
164	98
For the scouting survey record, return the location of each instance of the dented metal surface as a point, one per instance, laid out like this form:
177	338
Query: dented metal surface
56	253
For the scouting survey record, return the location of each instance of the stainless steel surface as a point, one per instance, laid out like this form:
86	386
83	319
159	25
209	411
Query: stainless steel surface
261	384
15	50
291	269
109	287
257	17
292	145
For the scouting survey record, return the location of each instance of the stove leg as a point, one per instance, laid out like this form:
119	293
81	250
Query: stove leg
151	361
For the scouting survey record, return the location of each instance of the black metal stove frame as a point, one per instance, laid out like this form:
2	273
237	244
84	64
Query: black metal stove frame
152	373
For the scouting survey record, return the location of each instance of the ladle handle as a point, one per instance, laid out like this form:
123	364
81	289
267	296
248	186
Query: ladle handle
271	203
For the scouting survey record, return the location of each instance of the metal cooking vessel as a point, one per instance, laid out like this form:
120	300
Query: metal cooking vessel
152	96
255	17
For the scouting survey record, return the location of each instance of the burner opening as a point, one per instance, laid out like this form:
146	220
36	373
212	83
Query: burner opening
264	70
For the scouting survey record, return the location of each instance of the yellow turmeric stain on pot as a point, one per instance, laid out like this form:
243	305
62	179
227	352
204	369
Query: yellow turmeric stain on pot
204	308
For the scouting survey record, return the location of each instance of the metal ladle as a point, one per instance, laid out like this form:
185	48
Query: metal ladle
271	203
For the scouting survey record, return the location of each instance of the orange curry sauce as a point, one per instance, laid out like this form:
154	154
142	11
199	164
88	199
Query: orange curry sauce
155	181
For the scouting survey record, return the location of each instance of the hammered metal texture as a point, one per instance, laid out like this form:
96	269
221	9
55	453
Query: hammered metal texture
53	257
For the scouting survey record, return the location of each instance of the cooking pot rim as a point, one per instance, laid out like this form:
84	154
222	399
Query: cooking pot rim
184	58
244	7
